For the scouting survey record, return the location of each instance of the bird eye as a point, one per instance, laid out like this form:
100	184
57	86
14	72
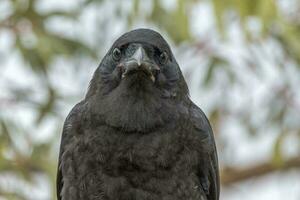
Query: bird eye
116	54
163	57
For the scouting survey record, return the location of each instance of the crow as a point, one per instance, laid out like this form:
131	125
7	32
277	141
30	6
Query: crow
137	135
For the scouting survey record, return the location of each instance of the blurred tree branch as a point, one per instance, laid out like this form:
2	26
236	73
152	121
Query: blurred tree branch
231	175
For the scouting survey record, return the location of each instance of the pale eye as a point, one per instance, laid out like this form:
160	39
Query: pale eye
116	54
163	58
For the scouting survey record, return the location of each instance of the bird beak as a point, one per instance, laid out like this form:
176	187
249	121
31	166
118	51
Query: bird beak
140	56
140	61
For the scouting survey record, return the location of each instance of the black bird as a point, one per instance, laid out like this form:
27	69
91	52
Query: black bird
137	135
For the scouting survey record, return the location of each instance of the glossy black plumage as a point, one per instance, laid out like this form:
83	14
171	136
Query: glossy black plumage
133	138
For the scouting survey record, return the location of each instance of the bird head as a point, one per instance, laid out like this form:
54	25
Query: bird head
138	85
140	60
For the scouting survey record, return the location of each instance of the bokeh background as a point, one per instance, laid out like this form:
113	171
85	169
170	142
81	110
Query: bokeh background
241	59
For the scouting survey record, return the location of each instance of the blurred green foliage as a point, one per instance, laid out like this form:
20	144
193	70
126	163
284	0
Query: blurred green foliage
39	47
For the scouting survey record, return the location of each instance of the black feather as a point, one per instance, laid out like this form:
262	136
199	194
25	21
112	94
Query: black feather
132	139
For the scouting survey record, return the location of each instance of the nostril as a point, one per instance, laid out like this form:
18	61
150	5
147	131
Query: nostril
156	72
121	67
155	69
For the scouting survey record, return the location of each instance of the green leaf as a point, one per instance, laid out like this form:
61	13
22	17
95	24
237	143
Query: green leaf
215	63
48	106
277	157
175	22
